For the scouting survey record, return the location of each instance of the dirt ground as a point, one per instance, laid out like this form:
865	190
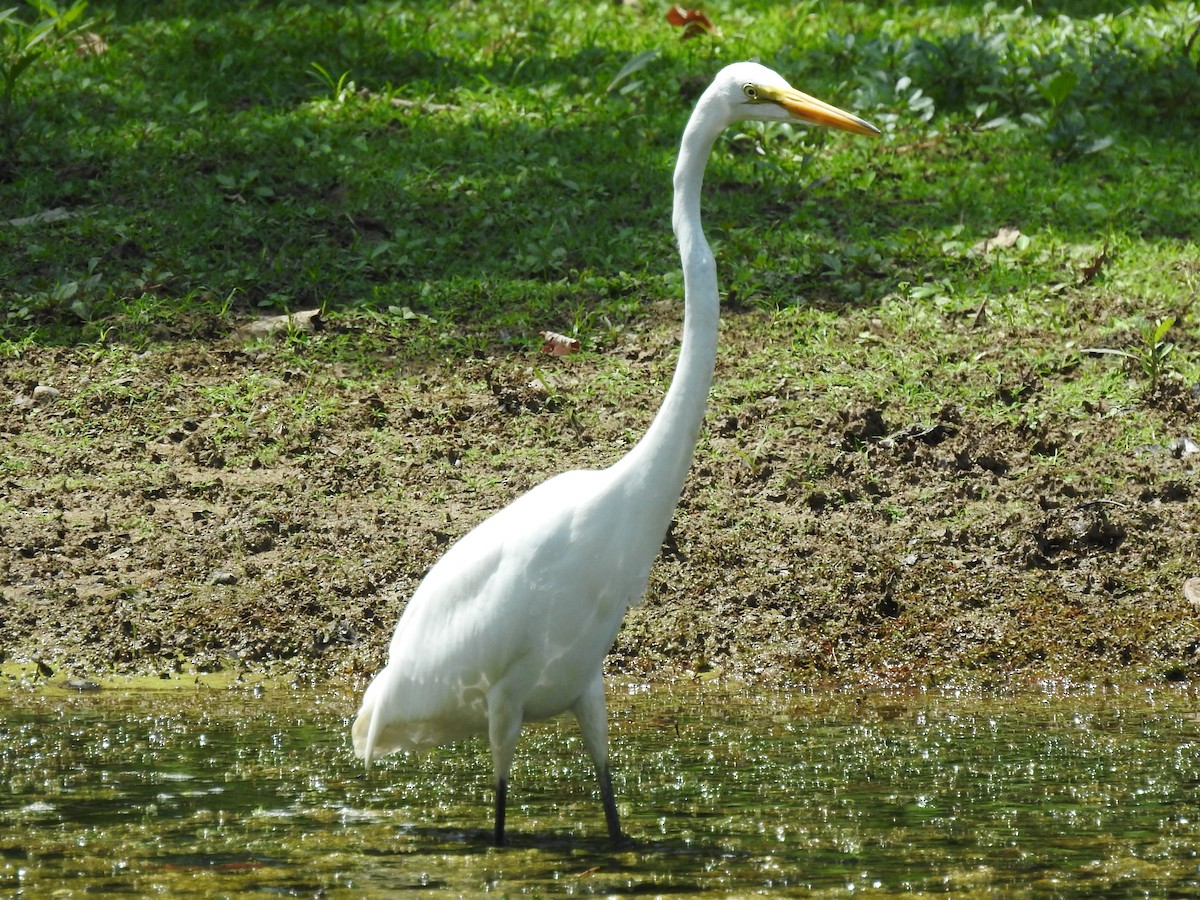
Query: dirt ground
209	505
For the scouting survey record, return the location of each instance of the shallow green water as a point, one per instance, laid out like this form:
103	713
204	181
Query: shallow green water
218	793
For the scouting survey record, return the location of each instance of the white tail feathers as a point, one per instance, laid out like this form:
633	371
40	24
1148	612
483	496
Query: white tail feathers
365	731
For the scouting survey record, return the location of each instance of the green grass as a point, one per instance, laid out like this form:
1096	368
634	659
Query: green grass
455	180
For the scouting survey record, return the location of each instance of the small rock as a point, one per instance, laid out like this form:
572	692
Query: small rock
222	577
1191	591
82	684
1180	447
43	393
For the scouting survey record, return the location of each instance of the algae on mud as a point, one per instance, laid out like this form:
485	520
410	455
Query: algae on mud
199	507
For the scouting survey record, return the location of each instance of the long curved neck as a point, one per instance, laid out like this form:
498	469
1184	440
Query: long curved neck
660	460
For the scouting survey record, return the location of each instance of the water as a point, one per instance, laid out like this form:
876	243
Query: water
203	793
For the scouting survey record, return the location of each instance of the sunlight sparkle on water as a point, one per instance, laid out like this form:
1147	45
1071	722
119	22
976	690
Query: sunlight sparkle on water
195	793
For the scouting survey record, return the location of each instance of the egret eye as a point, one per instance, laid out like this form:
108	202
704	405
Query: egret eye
751	92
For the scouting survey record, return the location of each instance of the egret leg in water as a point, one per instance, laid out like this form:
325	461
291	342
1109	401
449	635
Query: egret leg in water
512	624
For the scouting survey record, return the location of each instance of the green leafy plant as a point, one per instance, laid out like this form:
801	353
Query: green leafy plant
338	87
621	81
22	43
1152	356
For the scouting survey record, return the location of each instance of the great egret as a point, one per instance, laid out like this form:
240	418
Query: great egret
512	624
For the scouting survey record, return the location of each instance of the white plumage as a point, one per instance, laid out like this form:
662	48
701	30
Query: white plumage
512	624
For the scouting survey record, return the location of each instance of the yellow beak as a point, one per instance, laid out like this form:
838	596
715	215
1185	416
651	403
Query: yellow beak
816	112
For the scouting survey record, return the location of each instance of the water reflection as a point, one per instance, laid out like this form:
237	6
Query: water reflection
200	793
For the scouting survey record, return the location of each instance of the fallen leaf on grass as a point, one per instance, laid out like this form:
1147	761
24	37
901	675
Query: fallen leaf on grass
693	22
422	105
1092	269
90	44
307	321
50	215
558	344
1001	240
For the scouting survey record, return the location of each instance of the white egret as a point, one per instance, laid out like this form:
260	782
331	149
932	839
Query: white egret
512	624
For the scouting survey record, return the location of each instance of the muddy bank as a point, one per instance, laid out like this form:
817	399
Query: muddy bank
208	506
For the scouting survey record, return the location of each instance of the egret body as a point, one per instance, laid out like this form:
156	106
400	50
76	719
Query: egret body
512	624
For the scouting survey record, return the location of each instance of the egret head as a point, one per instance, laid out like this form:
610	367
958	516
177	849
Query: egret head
752	91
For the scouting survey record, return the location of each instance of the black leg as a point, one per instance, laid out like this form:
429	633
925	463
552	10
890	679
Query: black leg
501	798
610	808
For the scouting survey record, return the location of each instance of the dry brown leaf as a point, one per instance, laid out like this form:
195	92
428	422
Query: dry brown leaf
558	344
422	105
309	320
50	215
693	22
1001	240
90	44
1092	269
